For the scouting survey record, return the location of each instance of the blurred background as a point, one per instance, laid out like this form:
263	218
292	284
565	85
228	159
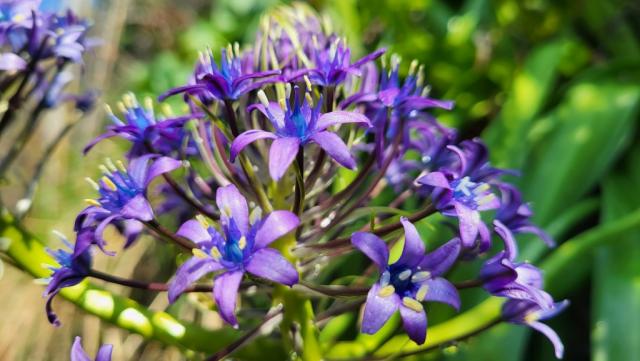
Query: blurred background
552	86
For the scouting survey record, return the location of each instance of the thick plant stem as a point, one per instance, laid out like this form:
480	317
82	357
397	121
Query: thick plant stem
232	119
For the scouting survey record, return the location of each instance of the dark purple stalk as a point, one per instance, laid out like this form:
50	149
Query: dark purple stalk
231	115
160	230
150	286
183	194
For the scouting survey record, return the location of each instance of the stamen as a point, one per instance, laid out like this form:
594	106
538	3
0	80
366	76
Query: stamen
198	253
426	91
386	291
93	183
422	292
309	99
121	107
108	109
413	66
283	104
128	100
166	110
104	169
420	80
481	188
110	165
236	49
395	61
229	52
263	98
203	221
93	202
385	278
287	90
412	304
148	103
532	317
109	183
215	253
227	211
404	275
121	166
307	81
420	276
255	216
242	242
485	200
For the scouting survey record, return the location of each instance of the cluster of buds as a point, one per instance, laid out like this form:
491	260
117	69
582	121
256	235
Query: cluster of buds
273	198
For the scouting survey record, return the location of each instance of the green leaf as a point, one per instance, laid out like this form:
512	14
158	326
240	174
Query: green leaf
616	291
528	92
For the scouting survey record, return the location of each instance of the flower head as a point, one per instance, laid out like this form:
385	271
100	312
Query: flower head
296	126
228	79
78	353
405	284
240	246
71	270
146	130
123	197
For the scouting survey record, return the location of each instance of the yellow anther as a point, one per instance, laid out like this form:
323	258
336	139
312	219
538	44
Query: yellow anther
128	100
104	169
413	66
109	183
166	110
395	61
121	166
203	221
282	103
255	216
404	275
263	98
412	304
93	183
481	188
422	292
110	165
148	103
227	211
198	253
236	49
215	253
531	317
386	291
229	52
487	199
108	110
426	91
93	202
242	242
287	90
383	61
420	276
309	99
203	59
307	81
121	107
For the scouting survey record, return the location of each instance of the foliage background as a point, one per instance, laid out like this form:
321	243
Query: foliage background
552	86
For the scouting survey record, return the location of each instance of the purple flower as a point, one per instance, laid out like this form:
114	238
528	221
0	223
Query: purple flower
461	192
10	62
78	353
530	314
232	78
71	270
144	129
395	101
332	63
123	198
405	284
241	247
296	127
514	216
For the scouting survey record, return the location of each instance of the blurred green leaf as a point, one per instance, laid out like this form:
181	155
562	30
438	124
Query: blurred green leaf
616	291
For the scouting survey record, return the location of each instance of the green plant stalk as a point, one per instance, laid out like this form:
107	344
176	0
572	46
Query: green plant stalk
572	253
29	254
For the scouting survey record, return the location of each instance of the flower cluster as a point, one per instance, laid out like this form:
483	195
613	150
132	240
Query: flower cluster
358	136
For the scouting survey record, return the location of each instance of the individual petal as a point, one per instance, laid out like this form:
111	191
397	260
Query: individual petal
270	264
340	117
440	261
414	323
435	179
98	139
11	62
190	272
160	166
104	353
283	151
273	112
139	167
377	310
181	89
225	292
538	232
413	250
441	290
276	225
232	204
551	335
373	247
335	147
77	352
194	231
419	103
510	246
247	138
469	222
367	58
137	207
